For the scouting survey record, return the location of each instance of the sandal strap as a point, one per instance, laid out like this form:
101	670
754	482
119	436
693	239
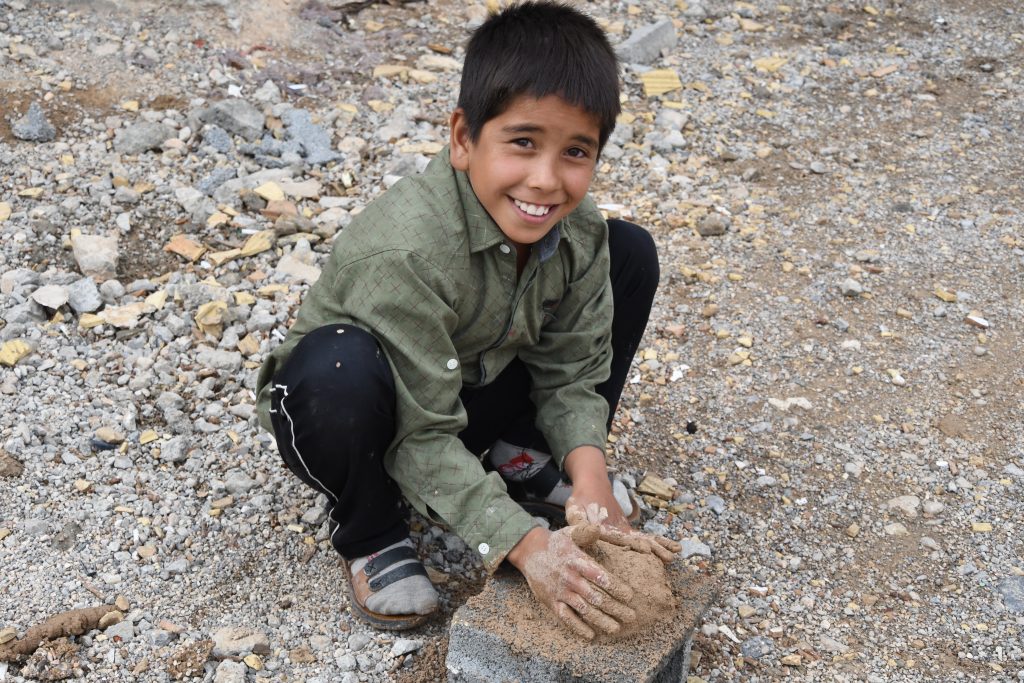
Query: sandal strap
388	578
385	560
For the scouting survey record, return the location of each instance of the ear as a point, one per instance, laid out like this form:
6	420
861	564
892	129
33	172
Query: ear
460	142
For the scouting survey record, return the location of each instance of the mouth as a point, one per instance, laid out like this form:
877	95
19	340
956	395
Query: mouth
534	211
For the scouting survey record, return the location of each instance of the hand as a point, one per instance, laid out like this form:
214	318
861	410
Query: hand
580	513
579	591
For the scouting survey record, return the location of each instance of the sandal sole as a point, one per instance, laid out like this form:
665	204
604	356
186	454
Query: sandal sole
384	622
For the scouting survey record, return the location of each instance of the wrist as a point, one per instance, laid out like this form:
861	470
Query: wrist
584	464
534	540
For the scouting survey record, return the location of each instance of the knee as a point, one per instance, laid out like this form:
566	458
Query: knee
634	256
340	361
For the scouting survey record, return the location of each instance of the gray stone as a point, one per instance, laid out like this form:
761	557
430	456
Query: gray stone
238	641
346	662
237	482
141	137
477	653
227	361
230	672
174	450
693	547
217	177
218	138
357	641
17	278
33	126
96	255
716	504
404	646
1012	590
84	296
314	141
235	116
51	296
111	291
125	630
850	287
35	527
757	647
159	637
268	92
908	505
713	224
646	43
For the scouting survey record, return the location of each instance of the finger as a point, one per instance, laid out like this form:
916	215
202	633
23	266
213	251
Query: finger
574	515
584	535
611	584
573	622
663	553
594	617
612	607
668	543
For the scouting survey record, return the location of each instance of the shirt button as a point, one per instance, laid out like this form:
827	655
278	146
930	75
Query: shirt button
452	363
484	548
505	248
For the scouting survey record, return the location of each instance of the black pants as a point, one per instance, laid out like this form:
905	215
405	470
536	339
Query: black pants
333	405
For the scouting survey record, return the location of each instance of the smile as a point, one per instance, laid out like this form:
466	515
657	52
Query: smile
533	209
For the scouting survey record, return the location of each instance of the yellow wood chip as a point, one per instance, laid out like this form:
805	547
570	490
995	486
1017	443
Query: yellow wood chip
350	108
871	10
148	436
948	297
217	218
130	105
660	81
751	25
31	193
270	191
13	351
5	211
244	299
210	317
221	257
981	527
884	71
248	345
259	242
89	321
183	246
157	299
770	64
390	70
271	290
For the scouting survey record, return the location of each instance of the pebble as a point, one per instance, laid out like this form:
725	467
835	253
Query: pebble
404	646
713	224
237	641
908	505
647	43
850	287
141	137
230	672
236	116
357	641
1012	591
122	630
34	126
692	546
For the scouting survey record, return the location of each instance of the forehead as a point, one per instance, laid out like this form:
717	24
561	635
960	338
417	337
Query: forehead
550	113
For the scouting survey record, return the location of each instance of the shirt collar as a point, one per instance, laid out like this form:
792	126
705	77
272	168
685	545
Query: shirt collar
483	232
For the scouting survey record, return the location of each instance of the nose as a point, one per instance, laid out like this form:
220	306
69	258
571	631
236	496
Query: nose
544	174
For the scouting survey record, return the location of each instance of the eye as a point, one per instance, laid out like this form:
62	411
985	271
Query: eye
523	142
577	153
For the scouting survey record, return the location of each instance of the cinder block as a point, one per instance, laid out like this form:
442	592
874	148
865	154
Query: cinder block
483	646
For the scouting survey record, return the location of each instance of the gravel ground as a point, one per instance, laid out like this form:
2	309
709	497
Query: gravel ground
830	381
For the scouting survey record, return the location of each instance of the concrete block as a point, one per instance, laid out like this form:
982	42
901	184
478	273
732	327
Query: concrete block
646	43
482	648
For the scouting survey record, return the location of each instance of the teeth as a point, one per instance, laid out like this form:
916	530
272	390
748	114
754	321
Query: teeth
532	209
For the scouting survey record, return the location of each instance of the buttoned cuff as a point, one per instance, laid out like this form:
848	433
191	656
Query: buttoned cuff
492	537
562	442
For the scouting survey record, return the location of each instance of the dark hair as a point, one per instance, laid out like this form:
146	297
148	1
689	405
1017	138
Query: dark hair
539	49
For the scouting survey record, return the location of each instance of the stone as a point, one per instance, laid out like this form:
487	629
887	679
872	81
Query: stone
314	140
218	359
477	653
9	467
692	546
850	287
715	503
236	116
908	505
895	529
125	630
713	224
237	482
96	255
357	641
296	270
268	92
141	137
218	138
230	672
646	43
33	126
1012	591
84	296
238	641
757	647
35	527
404	646
51	296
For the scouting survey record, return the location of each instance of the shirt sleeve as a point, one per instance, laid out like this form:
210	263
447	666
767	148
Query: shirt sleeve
571	358
403	300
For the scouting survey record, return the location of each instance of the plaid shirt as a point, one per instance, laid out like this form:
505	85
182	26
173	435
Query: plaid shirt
433	278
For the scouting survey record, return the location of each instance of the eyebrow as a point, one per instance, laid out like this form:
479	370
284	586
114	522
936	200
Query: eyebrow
534	128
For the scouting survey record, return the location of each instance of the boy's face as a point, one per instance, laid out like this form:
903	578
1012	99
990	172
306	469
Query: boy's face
531	166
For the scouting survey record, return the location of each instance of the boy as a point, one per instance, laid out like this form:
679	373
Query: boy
469	309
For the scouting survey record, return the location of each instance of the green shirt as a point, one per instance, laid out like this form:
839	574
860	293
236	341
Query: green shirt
428	273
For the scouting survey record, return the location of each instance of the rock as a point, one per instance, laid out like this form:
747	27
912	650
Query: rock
16	279
357	641
646	43
692	546
850	287
124	630
933	507
346	662
237	482
895	529
268	92
141	137
236	116
230	672
218	359
238	641
218	138
314	141
404	646
757	647
51	296
84	296
296	270
35	527
108	435
174	450
906	504
1012	591
96	255
33	126
713	224
715	503
9	467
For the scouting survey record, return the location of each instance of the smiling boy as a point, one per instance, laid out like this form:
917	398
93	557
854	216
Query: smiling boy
482	309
